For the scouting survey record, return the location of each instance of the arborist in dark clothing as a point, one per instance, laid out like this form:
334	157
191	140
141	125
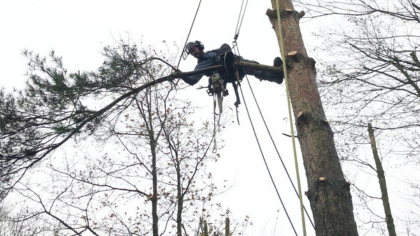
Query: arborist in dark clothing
224	56
230	72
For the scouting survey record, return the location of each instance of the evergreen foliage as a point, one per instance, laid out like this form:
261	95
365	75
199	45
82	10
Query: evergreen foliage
57	105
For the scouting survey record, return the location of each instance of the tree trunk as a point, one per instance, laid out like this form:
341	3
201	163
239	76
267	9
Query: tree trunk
153	145
227	227
180	198
155	218
328	193
206	230
382	183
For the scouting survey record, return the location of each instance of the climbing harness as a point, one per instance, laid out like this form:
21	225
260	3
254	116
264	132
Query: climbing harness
217	90
217	87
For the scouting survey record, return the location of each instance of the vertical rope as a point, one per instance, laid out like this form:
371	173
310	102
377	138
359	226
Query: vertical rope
290	114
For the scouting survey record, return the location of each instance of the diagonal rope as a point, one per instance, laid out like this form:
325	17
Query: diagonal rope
188	36
274	144
240	20
239	17
265	162
243	98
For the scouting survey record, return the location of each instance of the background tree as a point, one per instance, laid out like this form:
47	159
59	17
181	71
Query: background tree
16	223
371	75
140	151
57	106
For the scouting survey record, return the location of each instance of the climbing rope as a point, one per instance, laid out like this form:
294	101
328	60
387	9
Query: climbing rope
290	115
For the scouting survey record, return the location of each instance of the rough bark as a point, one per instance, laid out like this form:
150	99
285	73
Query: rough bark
329	196
382	183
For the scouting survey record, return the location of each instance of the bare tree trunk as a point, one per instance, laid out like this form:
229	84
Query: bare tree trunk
206	230
146	113
155	218
227	227
382	183
180	198
328	193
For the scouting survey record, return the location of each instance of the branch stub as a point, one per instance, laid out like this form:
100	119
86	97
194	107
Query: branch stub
300	114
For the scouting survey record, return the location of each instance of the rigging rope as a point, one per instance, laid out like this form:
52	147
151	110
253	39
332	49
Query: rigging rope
290	114
238	26
290	119
265	162
274	144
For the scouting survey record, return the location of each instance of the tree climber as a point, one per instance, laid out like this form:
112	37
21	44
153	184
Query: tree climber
230	72
224	56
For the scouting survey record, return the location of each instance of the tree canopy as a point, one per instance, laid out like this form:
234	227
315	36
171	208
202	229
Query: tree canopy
63	123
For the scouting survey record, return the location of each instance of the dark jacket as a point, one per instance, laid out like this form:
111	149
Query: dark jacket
211	58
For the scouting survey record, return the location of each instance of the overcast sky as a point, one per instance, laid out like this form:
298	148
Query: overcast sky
77	30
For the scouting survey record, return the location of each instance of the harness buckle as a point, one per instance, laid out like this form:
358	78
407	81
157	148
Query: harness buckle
217	85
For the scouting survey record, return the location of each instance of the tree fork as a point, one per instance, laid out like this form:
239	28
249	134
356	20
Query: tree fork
328	191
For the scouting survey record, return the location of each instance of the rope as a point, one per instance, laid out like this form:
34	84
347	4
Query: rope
299	195
237	23
186	41
274	144
238	26
237	33
290	115
265	162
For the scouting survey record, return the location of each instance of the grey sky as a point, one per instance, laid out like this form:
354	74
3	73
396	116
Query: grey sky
77	30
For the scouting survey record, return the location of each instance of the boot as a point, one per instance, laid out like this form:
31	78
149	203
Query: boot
229	68
277	62
269	76
229	62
